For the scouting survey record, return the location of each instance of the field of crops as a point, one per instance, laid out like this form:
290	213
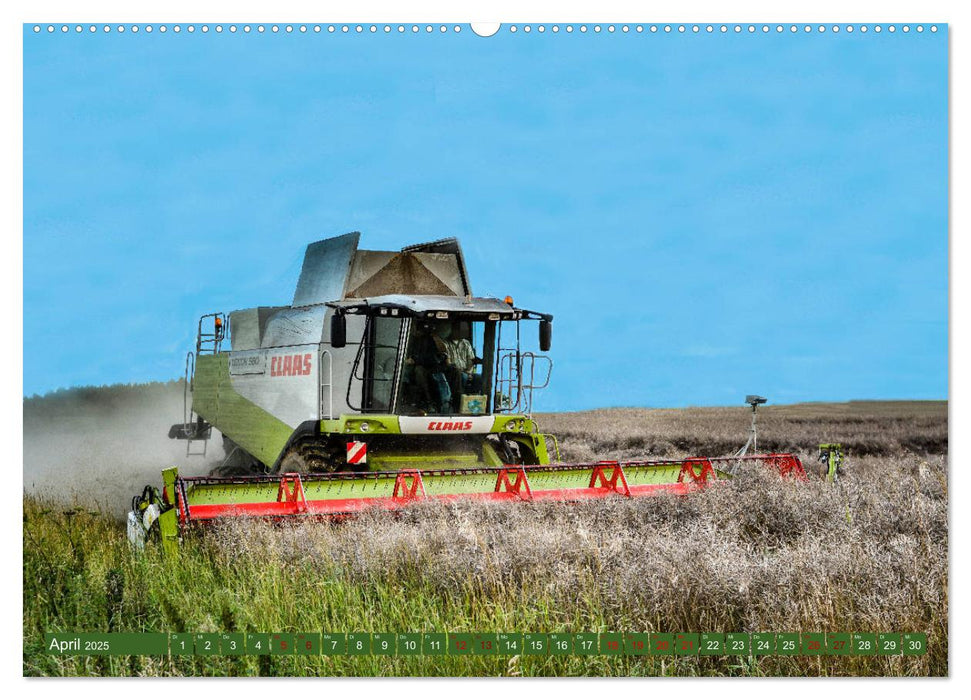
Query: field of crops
869	554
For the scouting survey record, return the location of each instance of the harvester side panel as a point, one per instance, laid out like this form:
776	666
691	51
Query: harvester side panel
251	427
284	384
294	397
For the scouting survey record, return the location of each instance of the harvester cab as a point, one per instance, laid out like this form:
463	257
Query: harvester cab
439	356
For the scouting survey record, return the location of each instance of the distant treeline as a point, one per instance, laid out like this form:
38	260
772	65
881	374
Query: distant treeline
98	399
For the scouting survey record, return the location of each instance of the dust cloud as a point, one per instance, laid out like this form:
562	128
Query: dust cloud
96	447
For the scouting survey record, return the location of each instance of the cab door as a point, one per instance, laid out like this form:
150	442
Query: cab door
381	363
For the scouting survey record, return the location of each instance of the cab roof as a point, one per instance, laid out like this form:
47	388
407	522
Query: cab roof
423	305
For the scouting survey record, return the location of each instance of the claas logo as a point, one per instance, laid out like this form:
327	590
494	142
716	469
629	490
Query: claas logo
290	365
450	425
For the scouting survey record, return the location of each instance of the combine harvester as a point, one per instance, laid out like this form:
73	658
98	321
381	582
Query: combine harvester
384	382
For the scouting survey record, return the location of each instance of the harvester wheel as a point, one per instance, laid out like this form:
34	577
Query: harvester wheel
307	457
512	451
293	461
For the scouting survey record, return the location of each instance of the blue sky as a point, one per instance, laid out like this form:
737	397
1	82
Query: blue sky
705	215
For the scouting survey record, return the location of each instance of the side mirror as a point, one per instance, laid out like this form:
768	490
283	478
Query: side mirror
545	335
338	330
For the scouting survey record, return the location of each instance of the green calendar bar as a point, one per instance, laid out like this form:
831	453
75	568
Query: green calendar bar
662	644
710	644
888	644
561	644
687	644
281	644
914	644
586	644
787	644
813	643
359	643
763	643
864	643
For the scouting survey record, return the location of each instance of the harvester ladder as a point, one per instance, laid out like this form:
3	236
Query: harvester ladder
516	375
551	440
188	447
519	374
507	376
210	342
508	387
326	385
529	360
188	423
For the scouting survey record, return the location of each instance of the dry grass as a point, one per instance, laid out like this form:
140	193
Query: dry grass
880	428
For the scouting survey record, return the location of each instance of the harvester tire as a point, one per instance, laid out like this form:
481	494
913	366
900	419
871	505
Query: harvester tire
293	461
512	451
307	457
